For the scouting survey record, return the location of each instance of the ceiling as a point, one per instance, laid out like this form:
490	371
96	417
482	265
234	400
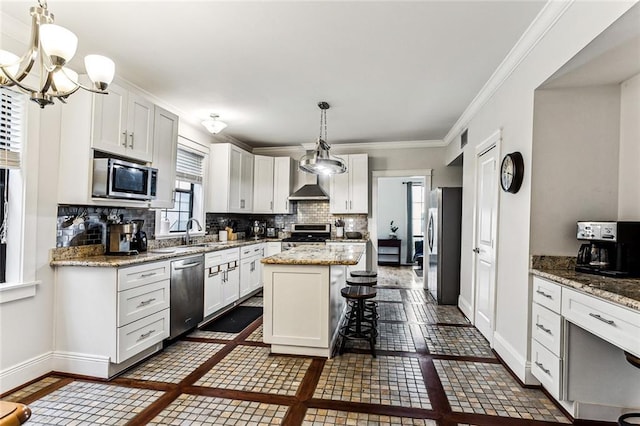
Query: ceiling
391	70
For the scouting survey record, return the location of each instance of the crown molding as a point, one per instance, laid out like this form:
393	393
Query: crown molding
539	27
437	143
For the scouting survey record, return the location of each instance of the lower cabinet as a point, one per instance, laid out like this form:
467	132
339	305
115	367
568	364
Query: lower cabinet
221	284
107	318
251	268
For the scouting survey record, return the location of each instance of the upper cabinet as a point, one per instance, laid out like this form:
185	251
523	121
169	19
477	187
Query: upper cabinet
123	124
350	190
230	180
271	184
165	148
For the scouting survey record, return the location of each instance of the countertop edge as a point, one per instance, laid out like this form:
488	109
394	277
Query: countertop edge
605	295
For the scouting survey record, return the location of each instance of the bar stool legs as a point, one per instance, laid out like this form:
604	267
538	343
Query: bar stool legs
357	324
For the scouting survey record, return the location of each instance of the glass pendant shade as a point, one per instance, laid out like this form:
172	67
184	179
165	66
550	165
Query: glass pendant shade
65	80
100	70
11	63
58	43
213	125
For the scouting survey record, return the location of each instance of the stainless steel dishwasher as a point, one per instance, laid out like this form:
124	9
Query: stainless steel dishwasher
187	294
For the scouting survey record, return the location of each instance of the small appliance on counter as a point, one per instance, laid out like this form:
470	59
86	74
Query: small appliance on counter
271	232
139	241
119	239
257	230
612	248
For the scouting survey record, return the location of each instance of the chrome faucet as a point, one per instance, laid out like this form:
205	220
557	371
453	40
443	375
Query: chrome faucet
187	237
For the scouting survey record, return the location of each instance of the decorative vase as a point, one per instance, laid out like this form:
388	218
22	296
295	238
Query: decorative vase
393	235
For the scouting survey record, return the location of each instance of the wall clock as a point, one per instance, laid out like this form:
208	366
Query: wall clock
511	172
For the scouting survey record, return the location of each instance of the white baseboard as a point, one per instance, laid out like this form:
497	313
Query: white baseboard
514	360
605	413
82	364
26	371
465	306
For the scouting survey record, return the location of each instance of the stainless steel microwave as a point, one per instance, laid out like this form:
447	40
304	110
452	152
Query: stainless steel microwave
115	178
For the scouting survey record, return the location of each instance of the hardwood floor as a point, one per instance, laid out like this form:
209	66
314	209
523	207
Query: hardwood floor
432	368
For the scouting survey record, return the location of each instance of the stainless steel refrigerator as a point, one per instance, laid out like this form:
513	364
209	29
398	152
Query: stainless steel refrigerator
443	245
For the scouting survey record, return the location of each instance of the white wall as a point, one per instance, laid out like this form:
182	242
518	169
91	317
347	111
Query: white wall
392	205
574	169
510	108
628	189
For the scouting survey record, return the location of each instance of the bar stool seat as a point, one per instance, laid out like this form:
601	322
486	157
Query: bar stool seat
357	326
12	413
366	281
362	273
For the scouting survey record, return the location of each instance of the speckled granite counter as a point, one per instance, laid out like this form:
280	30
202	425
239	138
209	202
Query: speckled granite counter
623	291
90	257
343	254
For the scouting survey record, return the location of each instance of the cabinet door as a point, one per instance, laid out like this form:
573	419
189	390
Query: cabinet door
231	285
339	197
110	121
246	269
235	179
213	297
165	146
140	114
263	187
246	183
358	183
281	184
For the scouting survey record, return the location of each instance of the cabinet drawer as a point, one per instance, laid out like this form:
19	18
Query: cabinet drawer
547	368
135	276
546	328
142	301
230	255
142	334
547	294
615	324
213	259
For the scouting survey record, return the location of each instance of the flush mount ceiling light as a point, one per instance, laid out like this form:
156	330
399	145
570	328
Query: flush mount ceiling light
320	161
52	47
213	125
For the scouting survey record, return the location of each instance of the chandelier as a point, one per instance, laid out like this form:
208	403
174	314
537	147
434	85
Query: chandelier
51	47
213	125
320	161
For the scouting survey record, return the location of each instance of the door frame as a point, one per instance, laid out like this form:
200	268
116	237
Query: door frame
373	224
493	140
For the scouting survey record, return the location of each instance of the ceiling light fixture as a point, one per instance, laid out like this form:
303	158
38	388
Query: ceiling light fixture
320	161
52	46
214	125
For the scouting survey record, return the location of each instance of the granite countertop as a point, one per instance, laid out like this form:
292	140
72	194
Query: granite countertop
343	254
93	257
623	291
348	240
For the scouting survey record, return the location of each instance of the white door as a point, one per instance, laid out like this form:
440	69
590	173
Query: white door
486	214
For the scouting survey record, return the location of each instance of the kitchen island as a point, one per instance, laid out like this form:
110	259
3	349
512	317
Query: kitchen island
302	302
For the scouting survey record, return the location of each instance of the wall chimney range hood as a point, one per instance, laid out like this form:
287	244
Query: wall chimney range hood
310	188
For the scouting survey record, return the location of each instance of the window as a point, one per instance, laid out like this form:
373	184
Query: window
11	135
188	192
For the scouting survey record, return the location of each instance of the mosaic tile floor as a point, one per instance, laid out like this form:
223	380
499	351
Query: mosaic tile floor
432	368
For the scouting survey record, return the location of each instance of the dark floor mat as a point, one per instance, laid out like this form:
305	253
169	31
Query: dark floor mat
235	320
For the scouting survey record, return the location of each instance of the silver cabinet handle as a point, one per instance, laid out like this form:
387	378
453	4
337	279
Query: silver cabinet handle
242	204
542	293
543	328
539	364
187	266
286	205
150	274
350	204
145	335
124	139
146	302
346	204
270	205
476	250
131	137
604	320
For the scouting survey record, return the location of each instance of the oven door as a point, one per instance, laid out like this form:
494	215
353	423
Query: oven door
129	180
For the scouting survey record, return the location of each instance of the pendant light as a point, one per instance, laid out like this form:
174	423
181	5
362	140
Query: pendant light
320	161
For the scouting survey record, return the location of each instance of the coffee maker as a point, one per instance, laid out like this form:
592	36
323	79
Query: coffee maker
119	239
610	248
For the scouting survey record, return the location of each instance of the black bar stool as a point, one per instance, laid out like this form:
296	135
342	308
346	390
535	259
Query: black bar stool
357	326
371	307
364	274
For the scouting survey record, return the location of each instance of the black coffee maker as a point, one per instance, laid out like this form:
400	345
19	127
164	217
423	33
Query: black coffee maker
612	248
139	241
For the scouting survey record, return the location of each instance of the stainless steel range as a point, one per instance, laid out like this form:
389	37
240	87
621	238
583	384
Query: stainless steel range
307	233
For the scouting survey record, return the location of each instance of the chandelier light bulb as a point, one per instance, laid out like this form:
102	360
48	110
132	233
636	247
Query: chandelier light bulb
10	64
65	80
58	43
100	70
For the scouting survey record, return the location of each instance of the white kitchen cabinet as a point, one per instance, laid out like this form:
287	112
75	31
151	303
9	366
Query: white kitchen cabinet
251	268
109	318
221	285
230	180
349	192
271	184
246	269
165	148
123	124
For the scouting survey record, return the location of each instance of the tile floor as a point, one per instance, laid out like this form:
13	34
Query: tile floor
432	368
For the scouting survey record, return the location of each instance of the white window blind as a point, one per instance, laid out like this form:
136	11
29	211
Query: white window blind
11	128
189	166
